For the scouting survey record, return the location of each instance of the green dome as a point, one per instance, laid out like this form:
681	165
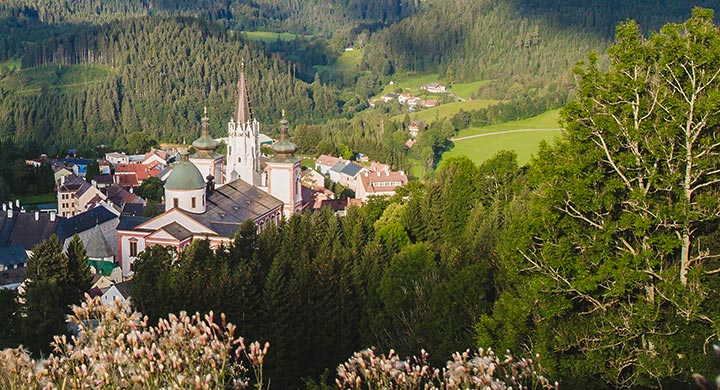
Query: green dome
283	148
185	176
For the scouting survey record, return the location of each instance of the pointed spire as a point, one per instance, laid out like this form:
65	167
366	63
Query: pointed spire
243	110
205	123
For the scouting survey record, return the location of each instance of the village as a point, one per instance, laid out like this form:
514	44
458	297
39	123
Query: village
205	195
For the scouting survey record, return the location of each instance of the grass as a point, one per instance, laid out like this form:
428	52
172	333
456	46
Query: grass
269	37
546	120
64	78
347	64
466	90
526	144
447	110
38	199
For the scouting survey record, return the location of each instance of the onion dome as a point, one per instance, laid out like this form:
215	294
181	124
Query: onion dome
185	175
284	148
205	145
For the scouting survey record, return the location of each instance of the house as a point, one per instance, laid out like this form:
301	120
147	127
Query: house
102	218
378	167
117	158
335	170
409	144
313	179
132	175
75	195
156	157
415	127
433	87
413	102
60	173
429	103
26	229
388	97
100	282
362	157
379	184
118	292
77	165
13	260
349	175
325	162
405	97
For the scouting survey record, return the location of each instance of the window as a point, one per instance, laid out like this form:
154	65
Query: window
193	202
176	202
133	248
238	159
203	200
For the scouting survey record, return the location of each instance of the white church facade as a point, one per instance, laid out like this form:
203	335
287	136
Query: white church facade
208	198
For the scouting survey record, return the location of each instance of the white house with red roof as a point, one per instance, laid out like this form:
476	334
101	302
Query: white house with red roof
379	184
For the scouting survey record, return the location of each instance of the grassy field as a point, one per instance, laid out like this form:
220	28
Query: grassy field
447	110
347	64
64	78
269	37
466	90
512	136
38	199
546	120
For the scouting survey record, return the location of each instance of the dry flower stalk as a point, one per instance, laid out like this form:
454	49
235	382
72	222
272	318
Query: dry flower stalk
116	348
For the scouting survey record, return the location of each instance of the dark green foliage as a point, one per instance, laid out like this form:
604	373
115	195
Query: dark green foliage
153	289
54	282
151	189
9	319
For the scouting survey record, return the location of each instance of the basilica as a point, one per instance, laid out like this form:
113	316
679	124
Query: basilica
208	197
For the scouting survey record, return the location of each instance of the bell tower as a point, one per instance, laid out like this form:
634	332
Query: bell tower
243	149
284	174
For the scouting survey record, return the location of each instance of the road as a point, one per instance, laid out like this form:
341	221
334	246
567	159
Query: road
504	132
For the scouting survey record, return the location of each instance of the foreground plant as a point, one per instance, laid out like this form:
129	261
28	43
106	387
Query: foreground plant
115	348
480	370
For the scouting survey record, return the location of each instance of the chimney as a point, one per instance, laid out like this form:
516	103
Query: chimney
387	173
52	216
37	215
4	207
10	213
94	183
402	173
378	174
17	203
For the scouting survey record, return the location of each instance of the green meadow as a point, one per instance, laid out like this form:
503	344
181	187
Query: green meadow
269	37
347	64
447	110
62	77
522	136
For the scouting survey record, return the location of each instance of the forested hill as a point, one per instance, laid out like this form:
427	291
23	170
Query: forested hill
528	47
324	17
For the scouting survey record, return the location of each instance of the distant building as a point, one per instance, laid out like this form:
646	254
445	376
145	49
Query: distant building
75	195
379	184
325	162
433	87
415	127
117	158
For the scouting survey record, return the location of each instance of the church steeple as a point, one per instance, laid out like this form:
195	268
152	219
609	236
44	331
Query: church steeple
243	148
243	110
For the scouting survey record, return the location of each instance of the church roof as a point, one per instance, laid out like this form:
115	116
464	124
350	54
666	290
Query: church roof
178	231
283	149
83	221
205	145
102	267
97	246
234	203
185	176
243	110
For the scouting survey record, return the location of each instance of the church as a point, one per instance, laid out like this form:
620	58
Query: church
208	197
